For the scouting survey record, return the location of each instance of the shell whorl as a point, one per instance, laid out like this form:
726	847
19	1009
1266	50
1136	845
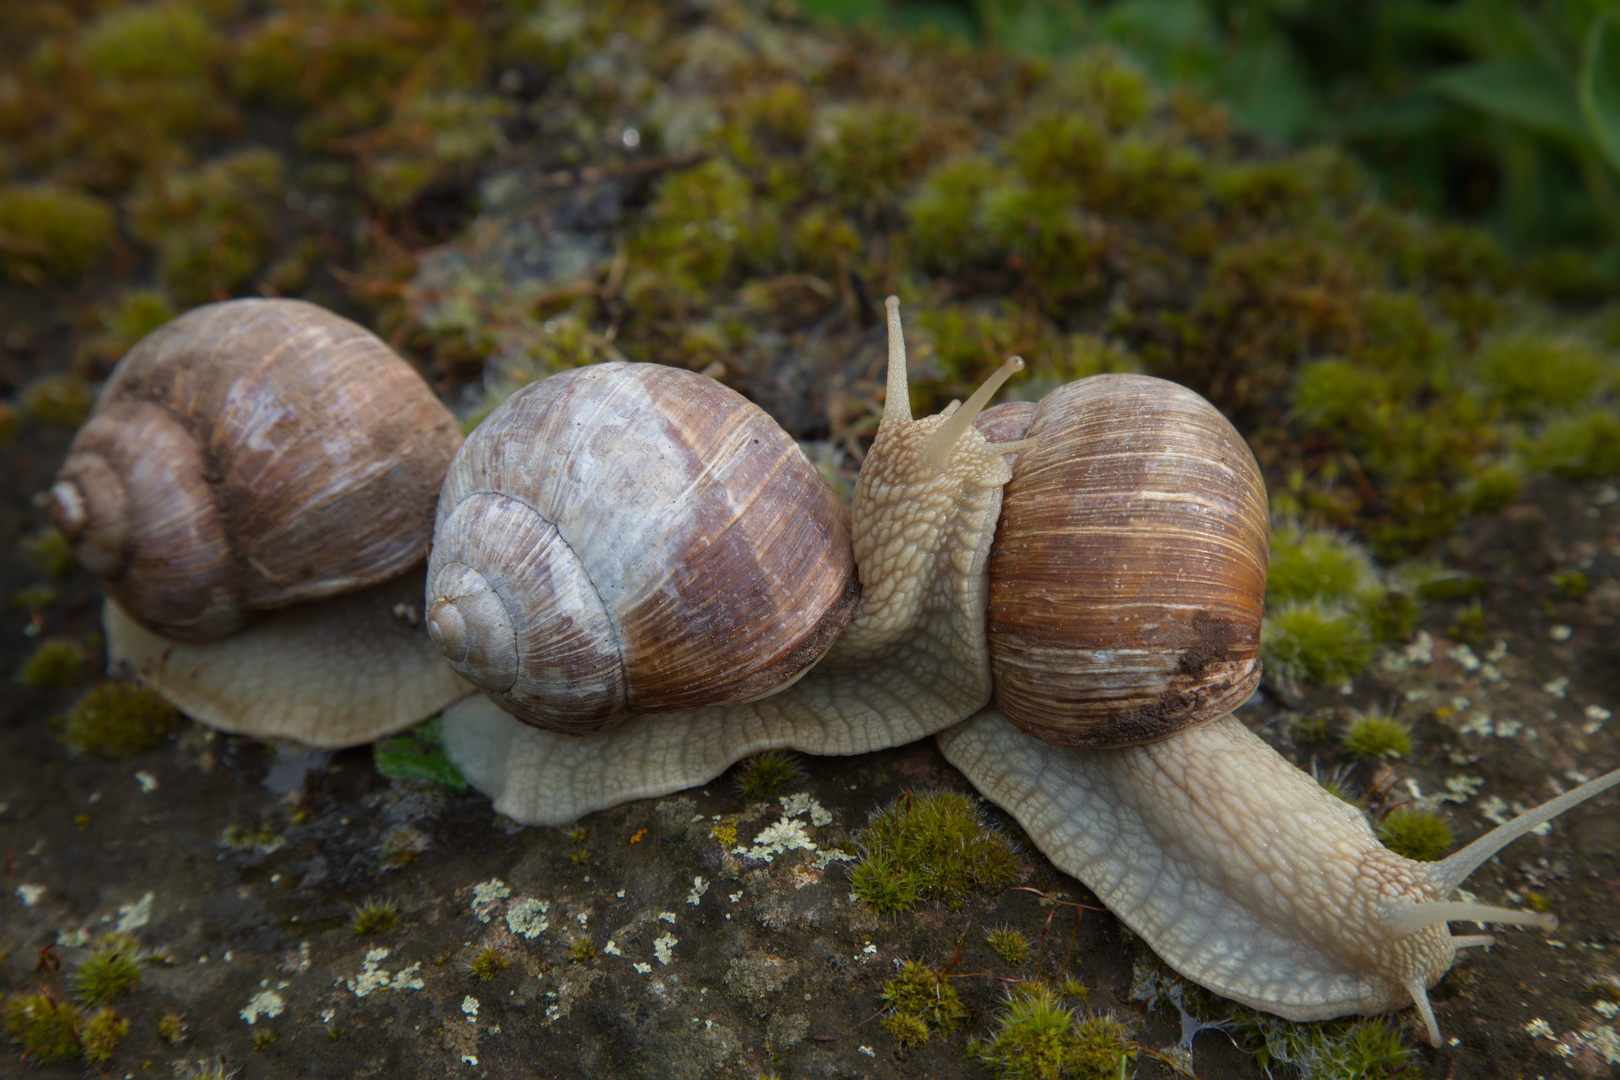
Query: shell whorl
631	538
250	455
1128	572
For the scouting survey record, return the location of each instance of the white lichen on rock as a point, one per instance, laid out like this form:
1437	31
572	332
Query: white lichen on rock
664	949
132	917
469	1005
527	918
485	894
30	894
266	1003
699	887
373	976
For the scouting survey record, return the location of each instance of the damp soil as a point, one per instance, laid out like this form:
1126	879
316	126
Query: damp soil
238	866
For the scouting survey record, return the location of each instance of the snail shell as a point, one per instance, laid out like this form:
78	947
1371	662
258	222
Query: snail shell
247	456
632	538
1129	568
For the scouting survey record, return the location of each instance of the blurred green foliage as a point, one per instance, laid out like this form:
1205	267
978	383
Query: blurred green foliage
1500	111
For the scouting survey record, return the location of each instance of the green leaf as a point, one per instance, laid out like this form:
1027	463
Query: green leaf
419	755
1520	91
1600	84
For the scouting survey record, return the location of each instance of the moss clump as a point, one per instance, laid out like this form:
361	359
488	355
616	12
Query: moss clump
1377	736
1037	1038
376	917
926	995
488	964
581	951
1315	641
1469	625
907	1030
1571	585
211	226
1580	446
1537	902
1529	373
1008	944
108	970
49	553
51	232
1416	834
171	1029
102	1035
60	400
418	755
118	720
930	847
763	775
158	41
47	1029
1315	564
56	663
263	1040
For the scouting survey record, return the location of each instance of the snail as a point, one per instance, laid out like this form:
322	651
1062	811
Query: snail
1126	588
1237	868
633	450
255	489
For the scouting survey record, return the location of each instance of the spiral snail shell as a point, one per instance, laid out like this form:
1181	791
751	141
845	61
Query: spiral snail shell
243	463
675	550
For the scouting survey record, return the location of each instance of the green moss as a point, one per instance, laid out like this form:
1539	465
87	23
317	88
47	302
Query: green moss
51	232
926	994
1315	564
930	847
703	224
108	970
211	227
151	41
1585	445
1571	584
1314	641
62	400
102	1035
47	1029
55	663
118	720
35	598
138	313
763	775
944	216
488	964
581	950
1037	1038
263	1040
1416	834
418	755
1390	614
1008	944
376	917
171	1028
873	152
49	553
907	1029
1377	736
1528	373
1469	625
1537	902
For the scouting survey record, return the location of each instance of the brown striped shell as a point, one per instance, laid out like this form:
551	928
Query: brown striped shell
1129	566
250	455
632	538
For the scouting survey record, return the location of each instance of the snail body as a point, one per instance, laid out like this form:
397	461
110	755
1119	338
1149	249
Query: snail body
245	461
911	661
1126	587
